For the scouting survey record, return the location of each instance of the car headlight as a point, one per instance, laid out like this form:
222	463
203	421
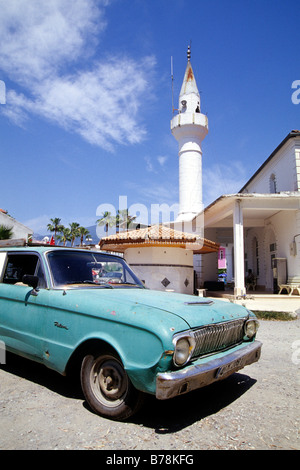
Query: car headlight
184	347
250	328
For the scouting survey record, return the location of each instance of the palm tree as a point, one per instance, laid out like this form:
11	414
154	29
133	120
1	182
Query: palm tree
5	232
74	231
107	220
123	219
65	235
83	232
55	226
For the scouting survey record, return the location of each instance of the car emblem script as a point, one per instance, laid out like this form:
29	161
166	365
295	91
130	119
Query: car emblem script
59	325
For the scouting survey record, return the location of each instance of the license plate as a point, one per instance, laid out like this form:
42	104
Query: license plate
238	363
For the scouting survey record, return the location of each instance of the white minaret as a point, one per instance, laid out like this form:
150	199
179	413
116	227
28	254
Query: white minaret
189	127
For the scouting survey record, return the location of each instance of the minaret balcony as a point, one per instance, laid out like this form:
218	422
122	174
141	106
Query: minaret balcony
189	125
185	119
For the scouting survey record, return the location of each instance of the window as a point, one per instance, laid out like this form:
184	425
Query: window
273	185
20	264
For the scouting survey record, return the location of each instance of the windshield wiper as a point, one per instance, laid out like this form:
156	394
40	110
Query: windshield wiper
133	284
80	282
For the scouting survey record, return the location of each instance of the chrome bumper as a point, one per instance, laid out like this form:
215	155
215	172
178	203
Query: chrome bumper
171	384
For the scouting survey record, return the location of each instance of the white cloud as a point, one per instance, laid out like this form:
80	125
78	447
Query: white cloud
222	179
148	193
37	36
149	165
38	224
100	103
162	160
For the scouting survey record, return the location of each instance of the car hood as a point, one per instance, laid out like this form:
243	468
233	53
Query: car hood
195	311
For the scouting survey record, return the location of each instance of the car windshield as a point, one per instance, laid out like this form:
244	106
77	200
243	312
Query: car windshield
78	267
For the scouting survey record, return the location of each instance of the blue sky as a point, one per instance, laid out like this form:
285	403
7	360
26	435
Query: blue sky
89	103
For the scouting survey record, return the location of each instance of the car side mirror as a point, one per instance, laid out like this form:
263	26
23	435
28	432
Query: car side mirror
31	281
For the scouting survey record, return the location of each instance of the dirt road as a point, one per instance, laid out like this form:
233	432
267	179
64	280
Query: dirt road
257	408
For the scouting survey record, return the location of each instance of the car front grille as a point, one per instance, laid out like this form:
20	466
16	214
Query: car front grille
219	336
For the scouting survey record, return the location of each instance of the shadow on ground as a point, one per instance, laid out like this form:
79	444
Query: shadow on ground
41	375
172	415
167	416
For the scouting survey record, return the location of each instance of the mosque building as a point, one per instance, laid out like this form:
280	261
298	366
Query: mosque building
258	228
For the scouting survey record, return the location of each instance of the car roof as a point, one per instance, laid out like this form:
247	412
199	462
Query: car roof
22	245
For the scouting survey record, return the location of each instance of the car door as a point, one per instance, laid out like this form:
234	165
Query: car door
22	309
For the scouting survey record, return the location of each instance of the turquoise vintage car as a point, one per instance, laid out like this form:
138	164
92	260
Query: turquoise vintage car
68	307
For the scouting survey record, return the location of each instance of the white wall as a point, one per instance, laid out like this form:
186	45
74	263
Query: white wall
153	264
19	230
285	165
210	260
282	227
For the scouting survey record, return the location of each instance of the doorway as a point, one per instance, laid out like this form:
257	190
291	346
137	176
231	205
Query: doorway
271	253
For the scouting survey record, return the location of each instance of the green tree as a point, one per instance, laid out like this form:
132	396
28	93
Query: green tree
74	228
106	220
83	232
5	232
65	235
124	220
55	226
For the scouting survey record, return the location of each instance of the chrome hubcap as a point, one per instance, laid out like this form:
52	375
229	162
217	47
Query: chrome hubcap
109	380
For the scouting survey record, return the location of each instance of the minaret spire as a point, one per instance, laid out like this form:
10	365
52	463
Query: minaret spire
189	128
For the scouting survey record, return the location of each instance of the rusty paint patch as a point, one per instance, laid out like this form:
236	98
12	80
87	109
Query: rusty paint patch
165	354
190	75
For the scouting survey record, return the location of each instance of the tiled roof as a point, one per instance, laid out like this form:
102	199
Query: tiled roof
157	235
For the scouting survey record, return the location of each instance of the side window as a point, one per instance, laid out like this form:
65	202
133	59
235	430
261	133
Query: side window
3	257
20	264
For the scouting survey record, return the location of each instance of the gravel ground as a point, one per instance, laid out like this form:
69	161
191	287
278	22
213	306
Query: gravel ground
257	408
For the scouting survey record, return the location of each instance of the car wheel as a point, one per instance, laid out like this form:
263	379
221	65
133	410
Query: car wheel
107	387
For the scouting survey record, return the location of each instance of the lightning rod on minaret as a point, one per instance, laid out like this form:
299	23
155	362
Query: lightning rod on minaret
172	78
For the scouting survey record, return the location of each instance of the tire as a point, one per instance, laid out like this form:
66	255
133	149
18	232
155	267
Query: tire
107	387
